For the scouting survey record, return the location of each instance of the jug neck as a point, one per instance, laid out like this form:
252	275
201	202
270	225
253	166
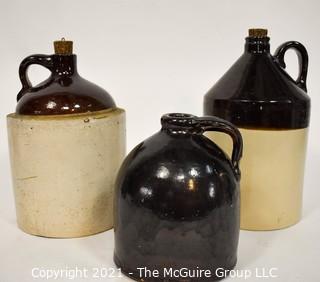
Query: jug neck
177	124
64	65
257	45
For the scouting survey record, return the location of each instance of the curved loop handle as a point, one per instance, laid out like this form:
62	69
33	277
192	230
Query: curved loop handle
302	57
212	123
43	60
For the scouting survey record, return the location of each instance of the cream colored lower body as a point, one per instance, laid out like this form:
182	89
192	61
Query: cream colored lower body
64	169
272	172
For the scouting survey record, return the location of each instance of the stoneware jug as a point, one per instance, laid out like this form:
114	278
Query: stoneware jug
272	112
177	203
67	141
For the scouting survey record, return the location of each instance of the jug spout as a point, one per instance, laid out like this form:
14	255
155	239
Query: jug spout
257	41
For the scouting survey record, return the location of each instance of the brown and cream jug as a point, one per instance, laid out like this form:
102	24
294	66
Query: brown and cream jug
67	141
272	111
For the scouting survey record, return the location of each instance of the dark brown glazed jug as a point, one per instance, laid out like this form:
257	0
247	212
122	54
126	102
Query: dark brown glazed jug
65	91
177	203
272	112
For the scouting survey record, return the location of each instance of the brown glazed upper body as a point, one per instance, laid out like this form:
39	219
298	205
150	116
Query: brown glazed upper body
257	92
64	92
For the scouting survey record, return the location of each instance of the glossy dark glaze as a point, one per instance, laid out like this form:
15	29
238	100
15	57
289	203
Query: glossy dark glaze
64	92
257	92
177	200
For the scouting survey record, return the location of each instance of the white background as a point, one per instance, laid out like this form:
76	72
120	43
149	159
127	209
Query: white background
155	57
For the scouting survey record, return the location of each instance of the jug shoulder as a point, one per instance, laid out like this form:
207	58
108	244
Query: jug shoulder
64	95
256	92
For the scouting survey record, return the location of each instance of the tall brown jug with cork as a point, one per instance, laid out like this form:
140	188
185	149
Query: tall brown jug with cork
272	111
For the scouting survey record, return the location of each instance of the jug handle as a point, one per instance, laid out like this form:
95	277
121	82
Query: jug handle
212	123
38	59
303	59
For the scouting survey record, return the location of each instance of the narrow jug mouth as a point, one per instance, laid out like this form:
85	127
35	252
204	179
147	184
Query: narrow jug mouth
178	120
257	41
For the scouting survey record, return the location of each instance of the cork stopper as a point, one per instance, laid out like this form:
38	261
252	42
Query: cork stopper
258	32
63	47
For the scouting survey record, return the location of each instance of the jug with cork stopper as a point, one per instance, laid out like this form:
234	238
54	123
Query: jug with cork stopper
66	141
272	111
